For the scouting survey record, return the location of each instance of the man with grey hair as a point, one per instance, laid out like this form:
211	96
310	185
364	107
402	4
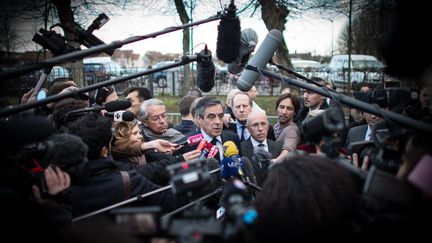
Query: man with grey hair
154	120
209	115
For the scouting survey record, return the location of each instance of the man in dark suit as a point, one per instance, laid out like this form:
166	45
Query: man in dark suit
242	106
363	132
257	124
209	114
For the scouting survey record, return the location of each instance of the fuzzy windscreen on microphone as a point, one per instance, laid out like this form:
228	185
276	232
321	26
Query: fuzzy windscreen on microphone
228	40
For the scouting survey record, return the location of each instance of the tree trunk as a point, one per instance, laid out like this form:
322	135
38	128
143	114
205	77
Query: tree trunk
184	18
275	16
66	17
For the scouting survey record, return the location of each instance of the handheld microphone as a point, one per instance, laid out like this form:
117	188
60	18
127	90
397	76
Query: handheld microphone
205	70
121	116
244	166
229	168
228	40
206	150
214	151
202	145
249	40
260	59
231	151
192	140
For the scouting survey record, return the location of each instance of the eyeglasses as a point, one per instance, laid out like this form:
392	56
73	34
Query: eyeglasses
258	124
157	118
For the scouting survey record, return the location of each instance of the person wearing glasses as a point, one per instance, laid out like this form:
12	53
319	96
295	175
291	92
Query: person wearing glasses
258	126
154	120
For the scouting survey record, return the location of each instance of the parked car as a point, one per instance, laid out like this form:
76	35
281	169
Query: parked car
98	71
160	78
364	68
58	72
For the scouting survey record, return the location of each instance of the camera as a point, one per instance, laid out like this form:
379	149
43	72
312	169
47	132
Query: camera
194	222
58	45
389	97
383	152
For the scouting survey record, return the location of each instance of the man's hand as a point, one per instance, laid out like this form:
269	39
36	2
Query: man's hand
56	181
355	161
192	154
28	97
227	119
160	145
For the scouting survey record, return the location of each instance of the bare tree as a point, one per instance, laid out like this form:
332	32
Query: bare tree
184	18
8	35
369	25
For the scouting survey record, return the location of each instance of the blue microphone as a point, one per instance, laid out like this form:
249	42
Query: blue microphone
229	168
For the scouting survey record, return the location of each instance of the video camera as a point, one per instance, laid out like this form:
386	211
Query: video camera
384	150
389	97
58	45
193	222
323	127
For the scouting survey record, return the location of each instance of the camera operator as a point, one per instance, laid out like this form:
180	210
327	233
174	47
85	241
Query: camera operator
306	199
22	175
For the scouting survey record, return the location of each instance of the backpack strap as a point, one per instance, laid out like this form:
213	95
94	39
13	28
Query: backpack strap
126	184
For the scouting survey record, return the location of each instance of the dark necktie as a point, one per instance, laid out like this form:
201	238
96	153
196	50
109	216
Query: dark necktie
214	142
242	138
261	145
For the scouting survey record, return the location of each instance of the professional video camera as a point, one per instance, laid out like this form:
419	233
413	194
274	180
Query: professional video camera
193	222
396	99
385	149
58	45
320	130
66	151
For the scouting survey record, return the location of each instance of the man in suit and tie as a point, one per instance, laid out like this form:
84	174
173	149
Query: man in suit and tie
242	106
257	125
209	116
363	132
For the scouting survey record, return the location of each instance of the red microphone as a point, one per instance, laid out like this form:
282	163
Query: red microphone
206	150
202	145
213	152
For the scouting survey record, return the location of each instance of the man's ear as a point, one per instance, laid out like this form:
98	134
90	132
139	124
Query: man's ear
104	152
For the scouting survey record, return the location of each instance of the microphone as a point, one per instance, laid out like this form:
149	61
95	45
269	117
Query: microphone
249	40
206	151
262	56
111	106
202	144
192	140
121	116
228	40
205	70
213	152
243	166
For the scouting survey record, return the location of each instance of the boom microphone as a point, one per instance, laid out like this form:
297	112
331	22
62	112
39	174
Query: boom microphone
205	70
228	40
262	56
111	106
249	40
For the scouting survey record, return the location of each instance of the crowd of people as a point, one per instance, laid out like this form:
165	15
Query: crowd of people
311	176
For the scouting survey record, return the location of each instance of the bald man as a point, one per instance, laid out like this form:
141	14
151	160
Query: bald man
258	126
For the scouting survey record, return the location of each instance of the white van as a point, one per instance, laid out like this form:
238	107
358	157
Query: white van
364	68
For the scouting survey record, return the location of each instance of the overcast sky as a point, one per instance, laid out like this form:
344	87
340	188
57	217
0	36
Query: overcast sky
308	34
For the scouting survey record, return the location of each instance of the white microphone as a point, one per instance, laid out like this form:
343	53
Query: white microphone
262	56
